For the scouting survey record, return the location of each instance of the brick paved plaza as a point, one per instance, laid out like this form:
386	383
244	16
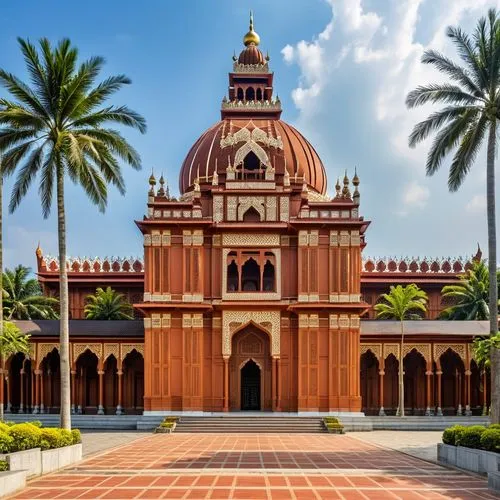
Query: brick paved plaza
265	466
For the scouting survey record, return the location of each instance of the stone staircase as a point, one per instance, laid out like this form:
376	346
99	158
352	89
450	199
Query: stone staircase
251	424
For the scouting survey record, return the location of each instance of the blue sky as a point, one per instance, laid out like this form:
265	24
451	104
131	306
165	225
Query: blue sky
342	69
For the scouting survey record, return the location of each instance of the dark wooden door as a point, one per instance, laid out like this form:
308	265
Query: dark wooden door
250	387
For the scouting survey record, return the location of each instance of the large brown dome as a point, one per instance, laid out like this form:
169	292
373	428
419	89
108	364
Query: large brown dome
281	144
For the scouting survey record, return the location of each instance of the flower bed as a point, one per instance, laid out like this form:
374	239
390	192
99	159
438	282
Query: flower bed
37	450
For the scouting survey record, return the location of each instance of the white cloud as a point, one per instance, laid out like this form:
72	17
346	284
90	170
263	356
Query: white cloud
354	79
416	195
477	204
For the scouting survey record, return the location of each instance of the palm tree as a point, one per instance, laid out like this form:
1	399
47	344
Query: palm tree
402	303
469	296
23	298
107	305
56	128
12	341
471	108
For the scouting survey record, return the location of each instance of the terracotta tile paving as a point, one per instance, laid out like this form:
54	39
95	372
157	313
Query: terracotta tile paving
244	466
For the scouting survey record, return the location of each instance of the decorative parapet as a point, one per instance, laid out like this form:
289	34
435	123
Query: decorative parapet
250	68
416	265
94	265
274	105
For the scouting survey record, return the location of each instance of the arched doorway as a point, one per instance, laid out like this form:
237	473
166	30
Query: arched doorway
250	378
110	385
369	377
87	382
452	382
415	383
250	371
391	385
133	382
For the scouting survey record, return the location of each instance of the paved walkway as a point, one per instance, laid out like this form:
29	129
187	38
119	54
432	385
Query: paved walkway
96	442
265	466
420	444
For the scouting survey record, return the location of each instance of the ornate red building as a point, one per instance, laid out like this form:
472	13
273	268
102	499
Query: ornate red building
253	292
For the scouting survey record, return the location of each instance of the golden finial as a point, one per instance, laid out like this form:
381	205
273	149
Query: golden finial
161	191
38	251
251	36
337	189
152	179
355	179
345	190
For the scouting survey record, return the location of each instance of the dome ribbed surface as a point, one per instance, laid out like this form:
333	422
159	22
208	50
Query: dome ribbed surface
207	153
251	55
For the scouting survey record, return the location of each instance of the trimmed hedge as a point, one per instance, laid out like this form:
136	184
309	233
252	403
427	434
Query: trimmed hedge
475	436
4	465
25	436
6	442
4	427
490	439
77	436
19	437
450	435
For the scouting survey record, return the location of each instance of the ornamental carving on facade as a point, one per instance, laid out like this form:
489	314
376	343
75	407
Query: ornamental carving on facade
423	349
391	349
376	349
233	321
111	349
256	149
126	349
250	240
79	349
245	202
44	350
440	349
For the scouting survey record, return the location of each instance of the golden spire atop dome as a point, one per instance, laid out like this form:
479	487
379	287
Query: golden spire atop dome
251	36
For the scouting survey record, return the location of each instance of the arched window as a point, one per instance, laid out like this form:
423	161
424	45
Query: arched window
251	215
250	94
240	95
269	281
232	277
250	276
251	162
259	94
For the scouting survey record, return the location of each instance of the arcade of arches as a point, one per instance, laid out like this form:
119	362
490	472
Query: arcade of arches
105	379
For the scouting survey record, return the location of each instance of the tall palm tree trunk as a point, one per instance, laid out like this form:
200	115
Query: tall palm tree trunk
492	267
2	362
401	403
63	297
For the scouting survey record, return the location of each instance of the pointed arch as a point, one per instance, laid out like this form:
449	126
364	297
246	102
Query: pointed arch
251	145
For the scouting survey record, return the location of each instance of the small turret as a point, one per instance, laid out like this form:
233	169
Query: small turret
152	183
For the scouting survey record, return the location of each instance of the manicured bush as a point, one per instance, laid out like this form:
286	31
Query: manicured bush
66	437
4	465
450	435
490	439
6	442
36	423
51	438
494	426
77	436
331	420
471	436
4	427
25	436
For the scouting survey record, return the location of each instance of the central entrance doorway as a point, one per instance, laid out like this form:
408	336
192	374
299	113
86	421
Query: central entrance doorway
250	386
250	371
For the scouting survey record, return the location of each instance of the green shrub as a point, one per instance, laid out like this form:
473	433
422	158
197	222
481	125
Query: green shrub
77	436
66	437
168	425
494	426
490	439
25	436
4	465
331	420
471	436
6	442
4	427
51	438
36	423
170	419
450	435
